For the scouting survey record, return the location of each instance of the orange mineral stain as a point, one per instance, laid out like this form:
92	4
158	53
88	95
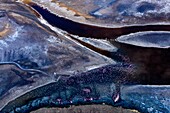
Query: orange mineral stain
4	31
26	1
77	13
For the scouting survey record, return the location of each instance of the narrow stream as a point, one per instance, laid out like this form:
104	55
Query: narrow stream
85	30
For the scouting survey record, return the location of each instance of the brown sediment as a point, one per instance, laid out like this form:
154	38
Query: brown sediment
77	13
86	109
5	31
35	12
26	1
29	2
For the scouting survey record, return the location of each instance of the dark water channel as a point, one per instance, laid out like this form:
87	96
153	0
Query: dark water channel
153	61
